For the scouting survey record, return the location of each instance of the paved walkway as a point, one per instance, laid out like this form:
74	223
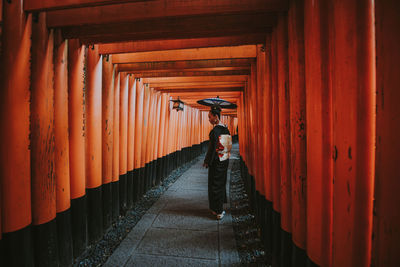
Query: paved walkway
179	230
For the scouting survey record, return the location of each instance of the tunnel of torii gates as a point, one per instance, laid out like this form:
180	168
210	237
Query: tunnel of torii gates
87	126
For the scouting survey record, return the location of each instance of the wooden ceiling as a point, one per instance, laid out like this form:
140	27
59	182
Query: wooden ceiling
191	49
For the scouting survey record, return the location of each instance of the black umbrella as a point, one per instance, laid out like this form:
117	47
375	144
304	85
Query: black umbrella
216	101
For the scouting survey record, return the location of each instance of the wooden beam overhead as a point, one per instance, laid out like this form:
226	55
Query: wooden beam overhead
232	78
159	45
182	65
130	12
228	90
197	85
45	5
174	28
245	70
190	73
244	51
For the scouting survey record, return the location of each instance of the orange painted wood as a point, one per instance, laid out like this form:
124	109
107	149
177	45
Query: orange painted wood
41	5
61	141
261	95
284	124
151	134
157	126
167	125
191	73
108	80
158	45
173	80
243	51
387	217
181	65
319	133
298	123
354	91
123	123
267	121
162	137
15	170
116	125
76	62
158	9
146	106
131	122
43	185
93	113
139	125
276	159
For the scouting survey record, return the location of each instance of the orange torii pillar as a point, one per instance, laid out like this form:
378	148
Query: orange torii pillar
386	242
115	149
61	141
157	155
267	139
123	140
15	170
108	79
162	141
94	143
138	174
260	147
131	141
284	134
276	170
297	92
319	134
152	124
43	186
76	83
354	92
146	106
149	141
166	139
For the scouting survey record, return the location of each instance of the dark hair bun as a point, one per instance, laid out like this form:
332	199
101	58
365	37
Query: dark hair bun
216	108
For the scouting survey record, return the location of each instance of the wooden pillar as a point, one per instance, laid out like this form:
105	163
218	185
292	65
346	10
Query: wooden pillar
298	160
42	145
123	141
15	170
138	139
61	143
94	143
76	62
354	89
107	119
319	133
131	140
115	159
386	241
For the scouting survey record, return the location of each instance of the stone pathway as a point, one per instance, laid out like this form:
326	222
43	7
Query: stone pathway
179	229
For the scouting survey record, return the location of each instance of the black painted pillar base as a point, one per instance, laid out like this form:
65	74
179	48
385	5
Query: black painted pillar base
115	200
45	244
299	256
122	193
64	237
310	263
154	173
141	181
107	205
146	178
150	177
78	225
286	249
135	196
17	248
158	171
129	189
276	239
95	214
268	225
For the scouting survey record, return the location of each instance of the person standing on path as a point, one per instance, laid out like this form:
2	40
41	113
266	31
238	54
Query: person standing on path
217	161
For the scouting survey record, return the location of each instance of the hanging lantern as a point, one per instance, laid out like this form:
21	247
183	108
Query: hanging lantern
178	104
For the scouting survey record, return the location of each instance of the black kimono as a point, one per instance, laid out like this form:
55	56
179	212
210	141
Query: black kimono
217	172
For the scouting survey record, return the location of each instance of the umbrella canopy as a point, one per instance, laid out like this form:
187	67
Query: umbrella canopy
216	101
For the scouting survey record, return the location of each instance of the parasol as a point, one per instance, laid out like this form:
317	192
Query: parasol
216	101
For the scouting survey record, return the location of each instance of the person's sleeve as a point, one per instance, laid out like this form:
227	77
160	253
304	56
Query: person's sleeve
210	150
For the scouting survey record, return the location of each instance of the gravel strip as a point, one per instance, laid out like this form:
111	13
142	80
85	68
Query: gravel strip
247	234
97	254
